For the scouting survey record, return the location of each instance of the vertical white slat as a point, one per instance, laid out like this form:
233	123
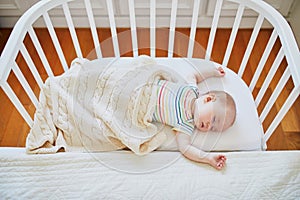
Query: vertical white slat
233	34
251	43
282	112
14	99
263	60
284	78
90	15
133	28
270	76
31	65
24	84
213	29
172	28
72	29
152	27
193	28
40	51
55	41
113	29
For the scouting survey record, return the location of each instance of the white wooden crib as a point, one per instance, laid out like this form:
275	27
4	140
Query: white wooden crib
77	175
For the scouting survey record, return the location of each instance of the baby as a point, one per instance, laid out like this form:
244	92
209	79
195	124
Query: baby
181	107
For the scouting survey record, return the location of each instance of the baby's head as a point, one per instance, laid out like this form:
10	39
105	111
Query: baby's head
214	111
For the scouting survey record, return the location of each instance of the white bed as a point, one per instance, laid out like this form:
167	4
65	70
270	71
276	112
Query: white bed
250	172
159	175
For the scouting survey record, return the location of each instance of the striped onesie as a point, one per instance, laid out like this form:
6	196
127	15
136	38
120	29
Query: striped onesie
173	105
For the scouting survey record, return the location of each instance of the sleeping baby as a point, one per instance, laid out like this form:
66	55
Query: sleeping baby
181	107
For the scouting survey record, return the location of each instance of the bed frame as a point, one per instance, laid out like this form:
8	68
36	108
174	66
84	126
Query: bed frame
286	62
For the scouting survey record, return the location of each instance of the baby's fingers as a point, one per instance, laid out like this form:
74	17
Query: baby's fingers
221	71
220	165
222	157
221	162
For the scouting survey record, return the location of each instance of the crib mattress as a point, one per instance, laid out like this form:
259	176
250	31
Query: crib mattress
159	175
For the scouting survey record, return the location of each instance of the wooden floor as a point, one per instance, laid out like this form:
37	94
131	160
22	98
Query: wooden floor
13	129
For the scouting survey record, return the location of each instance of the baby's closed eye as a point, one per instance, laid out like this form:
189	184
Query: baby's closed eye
213	124
213	120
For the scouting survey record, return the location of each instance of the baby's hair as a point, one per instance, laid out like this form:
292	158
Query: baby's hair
226	101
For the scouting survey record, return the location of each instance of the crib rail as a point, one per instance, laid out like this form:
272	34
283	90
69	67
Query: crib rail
285	64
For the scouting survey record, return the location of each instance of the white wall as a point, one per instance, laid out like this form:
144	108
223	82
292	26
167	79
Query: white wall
11	10
294	20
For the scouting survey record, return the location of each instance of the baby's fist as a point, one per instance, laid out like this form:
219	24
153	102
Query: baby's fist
217	161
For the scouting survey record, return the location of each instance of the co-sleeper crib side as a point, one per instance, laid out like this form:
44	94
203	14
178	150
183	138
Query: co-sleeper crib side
287	57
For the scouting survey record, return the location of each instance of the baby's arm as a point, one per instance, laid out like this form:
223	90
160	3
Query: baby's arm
188	150
199	76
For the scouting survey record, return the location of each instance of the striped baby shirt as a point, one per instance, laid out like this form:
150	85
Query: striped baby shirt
173	105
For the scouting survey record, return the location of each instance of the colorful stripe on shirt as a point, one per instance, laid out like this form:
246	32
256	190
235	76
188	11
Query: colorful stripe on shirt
173	105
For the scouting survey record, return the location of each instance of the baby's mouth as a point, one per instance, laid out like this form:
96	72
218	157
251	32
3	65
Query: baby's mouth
202	125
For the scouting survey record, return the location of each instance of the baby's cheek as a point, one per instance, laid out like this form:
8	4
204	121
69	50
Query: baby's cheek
197	120
197	127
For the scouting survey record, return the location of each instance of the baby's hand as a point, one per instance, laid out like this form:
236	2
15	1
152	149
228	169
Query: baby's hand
219	72
217	161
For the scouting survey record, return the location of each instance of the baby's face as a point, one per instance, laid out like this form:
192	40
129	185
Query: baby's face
208	115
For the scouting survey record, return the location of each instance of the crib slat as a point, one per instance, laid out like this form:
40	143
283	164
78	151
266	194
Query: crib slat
152	27
233	34
14	99
31	66
55	41
213	29
282	112
193	28
269	77
93	28
40	51
283	80
133	28
24	84
172	28
113	29
263	60
250	45
72	29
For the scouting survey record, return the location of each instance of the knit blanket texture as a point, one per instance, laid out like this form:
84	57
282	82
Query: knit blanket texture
99	106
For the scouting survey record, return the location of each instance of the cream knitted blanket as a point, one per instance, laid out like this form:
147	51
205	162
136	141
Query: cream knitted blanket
99	108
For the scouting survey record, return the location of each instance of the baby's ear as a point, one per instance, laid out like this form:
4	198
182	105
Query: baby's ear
210	97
